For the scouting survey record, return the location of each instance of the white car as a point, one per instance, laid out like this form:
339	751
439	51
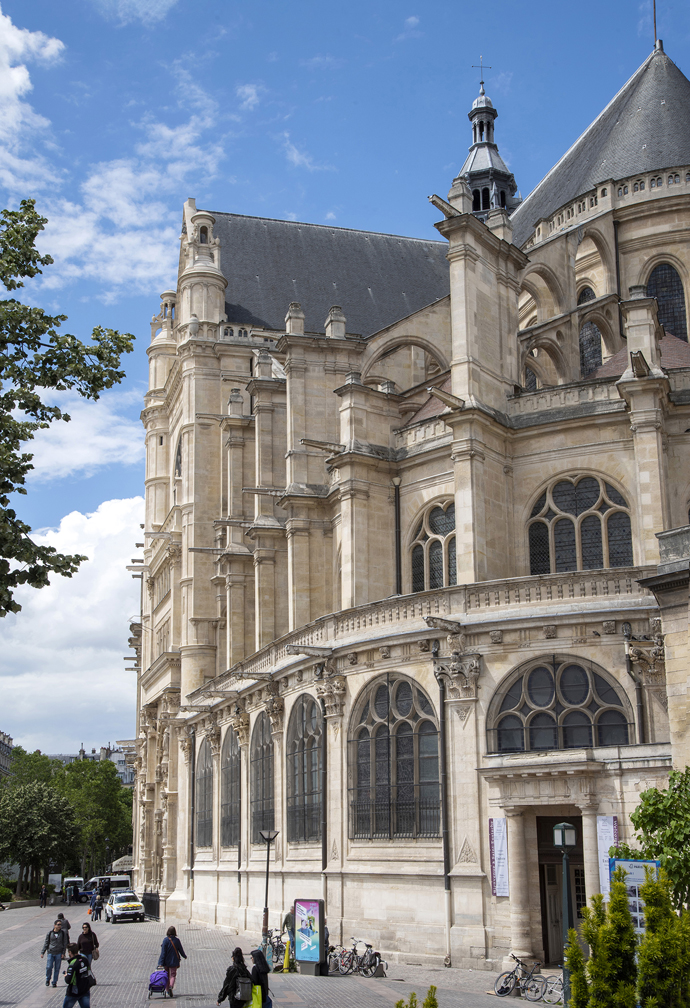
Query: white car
124	906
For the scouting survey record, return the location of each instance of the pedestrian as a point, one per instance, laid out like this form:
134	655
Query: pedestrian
169	959
43	896
97	908
92	903
87	942
230	989
106	890
55	945
289	926
78	979
260	973
65	925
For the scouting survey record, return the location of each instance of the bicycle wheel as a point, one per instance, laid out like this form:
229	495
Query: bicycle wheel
554	990
369	968
505	984
346	963
534	988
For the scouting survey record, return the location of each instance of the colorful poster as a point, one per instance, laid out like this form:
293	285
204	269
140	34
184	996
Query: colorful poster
498	845
634	879
607	837
308	930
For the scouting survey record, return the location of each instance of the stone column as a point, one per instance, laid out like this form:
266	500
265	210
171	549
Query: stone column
590	849
520	931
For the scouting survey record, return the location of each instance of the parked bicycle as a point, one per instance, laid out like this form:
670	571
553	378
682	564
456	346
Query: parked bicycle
275	940
553	993
350	961
334	953
530	984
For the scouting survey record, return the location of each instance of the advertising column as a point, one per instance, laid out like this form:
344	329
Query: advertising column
310	949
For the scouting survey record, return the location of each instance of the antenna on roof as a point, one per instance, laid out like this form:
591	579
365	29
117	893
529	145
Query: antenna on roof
482	68
654	10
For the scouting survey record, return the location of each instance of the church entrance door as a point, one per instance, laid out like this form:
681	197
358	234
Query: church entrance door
550	884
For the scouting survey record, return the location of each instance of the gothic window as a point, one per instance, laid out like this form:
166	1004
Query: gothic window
530	380
433	557
178	457
666	286
203	796
585	295
579	524
304	770
261	761
476	200
242	332
394	763
590	349
230	790
558	704
486	200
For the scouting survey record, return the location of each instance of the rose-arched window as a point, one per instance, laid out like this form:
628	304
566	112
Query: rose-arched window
558	704
579	524
203	796
394	768
432	556
303	750
230	777
262	801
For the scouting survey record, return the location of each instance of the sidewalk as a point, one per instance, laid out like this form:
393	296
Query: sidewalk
129	953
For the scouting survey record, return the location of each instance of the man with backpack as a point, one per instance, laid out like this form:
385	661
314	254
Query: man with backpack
56	946
79	980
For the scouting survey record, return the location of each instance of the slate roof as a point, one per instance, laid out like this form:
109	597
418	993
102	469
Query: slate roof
484	157
646	127
377	279
675	353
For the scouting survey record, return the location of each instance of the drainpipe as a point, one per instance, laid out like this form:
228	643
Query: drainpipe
396	481
445	836
618	277
191	813
324	798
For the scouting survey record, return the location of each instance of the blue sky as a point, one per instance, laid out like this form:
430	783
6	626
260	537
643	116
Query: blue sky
113	112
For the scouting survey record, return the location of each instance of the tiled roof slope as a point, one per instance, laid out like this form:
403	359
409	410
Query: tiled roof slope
377	279
646	127
675	353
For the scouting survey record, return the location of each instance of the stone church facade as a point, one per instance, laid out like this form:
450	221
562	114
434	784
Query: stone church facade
400	565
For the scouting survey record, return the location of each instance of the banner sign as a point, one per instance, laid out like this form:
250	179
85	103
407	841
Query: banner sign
309	930
498	846
634	879
607	837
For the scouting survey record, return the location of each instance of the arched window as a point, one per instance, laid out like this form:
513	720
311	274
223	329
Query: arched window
303	752
558	704
394	768
590	349
579	524
486	199
178	457
230	791
665	285
203	796
503	198
203	236
263	811
433	549
530	380
585	295
476	199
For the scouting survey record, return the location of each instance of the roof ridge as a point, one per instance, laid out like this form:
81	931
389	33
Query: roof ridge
326	227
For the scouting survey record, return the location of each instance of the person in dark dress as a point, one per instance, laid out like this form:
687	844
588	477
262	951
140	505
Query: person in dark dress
170	958
260	973
236	969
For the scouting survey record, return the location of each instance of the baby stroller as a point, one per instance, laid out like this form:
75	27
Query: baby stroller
158	981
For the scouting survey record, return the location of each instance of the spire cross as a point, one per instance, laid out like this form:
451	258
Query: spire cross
481	69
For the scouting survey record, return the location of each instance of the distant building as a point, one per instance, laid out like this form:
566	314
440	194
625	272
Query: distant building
116	756
5	753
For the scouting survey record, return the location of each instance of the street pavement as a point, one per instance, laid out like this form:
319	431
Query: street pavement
129	953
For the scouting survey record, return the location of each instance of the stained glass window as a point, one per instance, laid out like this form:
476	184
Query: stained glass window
590	349
303	750
230	790
530	380
666	286
262	800
586	294
203	796
433	562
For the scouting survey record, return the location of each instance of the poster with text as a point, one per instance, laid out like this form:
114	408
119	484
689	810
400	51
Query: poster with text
498	847
635	878
607	837
308	930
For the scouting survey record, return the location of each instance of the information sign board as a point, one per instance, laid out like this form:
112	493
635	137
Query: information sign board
634	878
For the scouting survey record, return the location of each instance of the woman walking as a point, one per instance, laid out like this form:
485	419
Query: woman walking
260	973
169	959
87	942
230	988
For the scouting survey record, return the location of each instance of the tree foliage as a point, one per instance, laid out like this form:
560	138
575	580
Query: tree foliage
35	356
664	954
36	825
26	768
102	809
608	981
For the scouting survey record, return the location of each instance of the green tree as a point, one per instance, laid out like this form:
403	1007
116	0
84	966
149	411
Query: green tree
575	961
25	768
608	930
36	826
34	356
663	980
430	1001
102	810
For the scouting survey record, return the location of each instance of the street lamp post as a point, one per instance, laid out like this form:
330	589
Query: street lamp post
268	836
565	838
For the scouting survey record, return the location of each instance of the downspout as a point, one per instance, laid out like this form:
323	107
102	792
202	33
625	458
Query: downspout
445	836
192	733
324	798
618	277
398	545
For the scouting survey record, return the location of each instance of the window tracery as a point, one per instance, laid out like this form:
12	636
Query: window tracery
558	704
394	763
579	524
303	751
262	800
433	556
230	790
666	286
203	797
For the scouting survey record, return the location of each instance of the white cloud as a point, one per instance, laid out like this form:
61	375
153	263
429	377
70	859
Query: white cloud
249	95
330	215
410	30
299	159
63	677
97	435
21	128
126	11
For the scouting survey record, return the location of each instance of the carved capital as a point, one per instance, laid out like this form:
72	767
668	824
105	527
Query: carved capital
648	658
461	674
213	736
332	692
275	708
240	725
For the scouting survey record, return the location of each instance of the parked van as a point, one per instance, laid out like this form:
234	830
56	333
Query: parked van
74	880
114	881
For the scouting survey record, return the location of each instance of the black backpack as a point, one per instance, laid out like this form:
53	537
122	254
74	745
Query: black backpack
244	989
